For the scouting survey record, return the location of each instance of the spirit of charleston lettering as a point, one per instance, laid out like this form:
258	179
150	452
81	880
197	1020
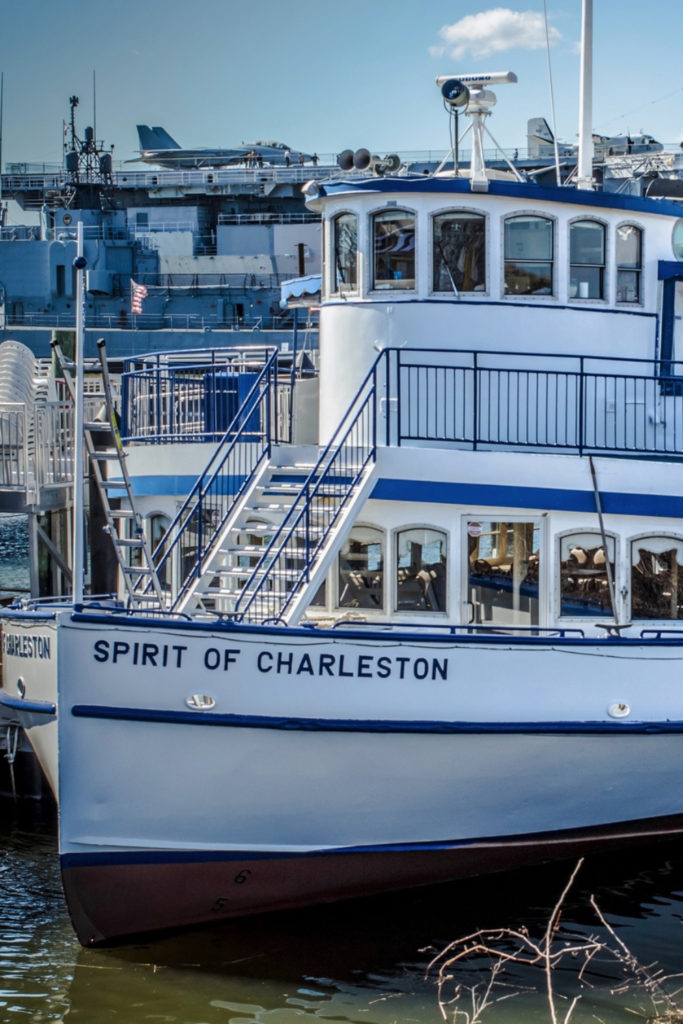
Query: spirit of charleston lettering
25	645
363	666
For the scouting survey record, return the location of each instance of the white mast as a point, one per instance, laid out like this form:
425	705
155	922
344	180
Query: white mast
79	483
584	178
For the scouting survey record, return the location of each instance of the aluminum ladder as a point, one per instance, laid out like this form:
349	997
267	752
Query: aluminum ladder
132	575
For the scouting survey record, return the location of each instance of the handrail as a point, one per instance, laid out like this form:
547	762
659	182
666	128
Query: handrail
239	435
311	489
540	406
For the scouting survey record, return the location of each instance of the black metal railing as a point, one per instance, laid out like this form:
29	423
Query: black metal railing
524	400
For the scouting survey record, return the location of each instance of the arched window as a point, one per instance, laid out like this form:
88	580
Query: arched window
345	253
529	255
393	241
361	569
629	263
421	570
586	260
657	578
584	586
459	257
158	524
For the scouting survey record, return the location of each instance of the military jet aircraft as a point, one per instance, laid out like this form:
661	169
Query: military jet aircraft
158	148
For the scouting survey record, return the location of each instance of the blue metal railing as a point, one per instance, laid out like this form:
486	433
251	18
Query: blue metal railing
286	564
494	399
245	444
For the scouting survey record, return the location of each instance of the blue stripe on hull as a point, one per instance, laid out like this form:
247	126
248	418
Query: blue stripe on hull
372	725
672	824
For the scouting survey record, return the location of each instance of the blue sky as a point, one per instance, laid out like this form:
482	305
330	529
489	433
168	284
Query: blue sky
323	76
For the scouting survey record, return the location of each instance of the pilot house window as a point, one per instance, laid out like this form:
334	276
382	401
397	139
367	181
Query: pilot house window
421	571
528	256
345	247
587	260
584	585
394	250
361	569
629	262
657	578
459	253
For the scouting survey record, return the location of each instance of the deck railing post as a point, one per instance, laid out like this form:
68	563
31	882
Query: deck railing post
399	431
387	397
157	405
581	437
475	405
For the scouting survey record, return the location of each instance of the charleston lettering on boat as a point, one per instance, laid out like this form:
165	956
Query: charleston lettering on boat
25	645
362	666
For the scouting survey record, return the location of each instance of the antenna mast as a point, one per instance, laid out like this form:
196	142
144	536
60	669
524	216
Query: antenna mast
584	178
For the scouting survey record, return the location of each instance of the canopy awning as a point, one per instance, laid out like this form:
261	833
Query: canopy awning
306	289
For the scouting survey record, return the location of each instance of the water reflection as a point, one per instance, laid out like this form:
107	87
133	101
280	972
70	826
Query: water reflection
14	564
358	961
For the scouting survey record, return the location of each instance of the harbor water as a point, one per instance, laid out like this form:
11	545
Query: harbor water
361	962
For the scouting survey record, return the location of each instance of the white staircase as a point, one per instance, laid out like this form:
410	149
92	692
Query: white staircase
244	555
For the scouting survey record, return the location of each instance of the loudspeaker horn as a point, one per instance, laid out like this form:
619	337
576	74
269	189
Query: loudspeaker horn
345	160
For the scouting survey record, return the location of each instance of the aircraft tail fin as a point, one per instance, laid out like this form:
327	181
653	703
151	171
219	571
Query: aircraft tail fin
165	139
147	137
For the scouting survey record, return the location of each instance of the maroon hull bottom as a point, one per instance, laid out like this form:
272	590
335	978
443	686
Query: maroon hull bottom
110	897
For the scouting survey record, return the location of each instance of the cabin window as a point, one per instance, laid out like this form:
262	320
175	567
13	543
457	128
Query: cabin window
587	260
629	263
677	241
459	256
584	586
345	253
529	256
393	237
421	571
158	526
361	569
657	578
503	561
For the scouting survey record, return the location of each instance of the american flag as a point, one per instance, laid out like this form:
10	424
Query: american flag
138	292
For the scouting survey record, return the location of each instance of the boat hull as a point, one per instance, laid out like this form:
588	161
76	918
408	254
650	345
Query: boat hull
114	896
410	761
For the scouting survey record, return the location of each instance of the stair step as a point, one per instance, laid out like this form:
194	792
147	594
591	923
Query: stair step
104	455
121	513
137	570
120	484
125	542
96	426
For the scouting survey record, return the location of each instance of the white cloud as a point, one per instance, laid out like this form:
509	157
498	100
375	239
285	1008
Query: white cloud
494	32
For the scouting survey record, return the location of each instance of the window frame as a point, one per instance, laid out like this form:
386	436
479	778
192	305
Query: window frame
630	541
553	295
557	574
391	608
641	299
330	276
333	590
606	277
486	293
370	244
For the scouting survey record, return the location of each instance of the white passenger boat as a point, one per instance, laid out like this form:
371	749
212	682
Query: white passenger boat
435	637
